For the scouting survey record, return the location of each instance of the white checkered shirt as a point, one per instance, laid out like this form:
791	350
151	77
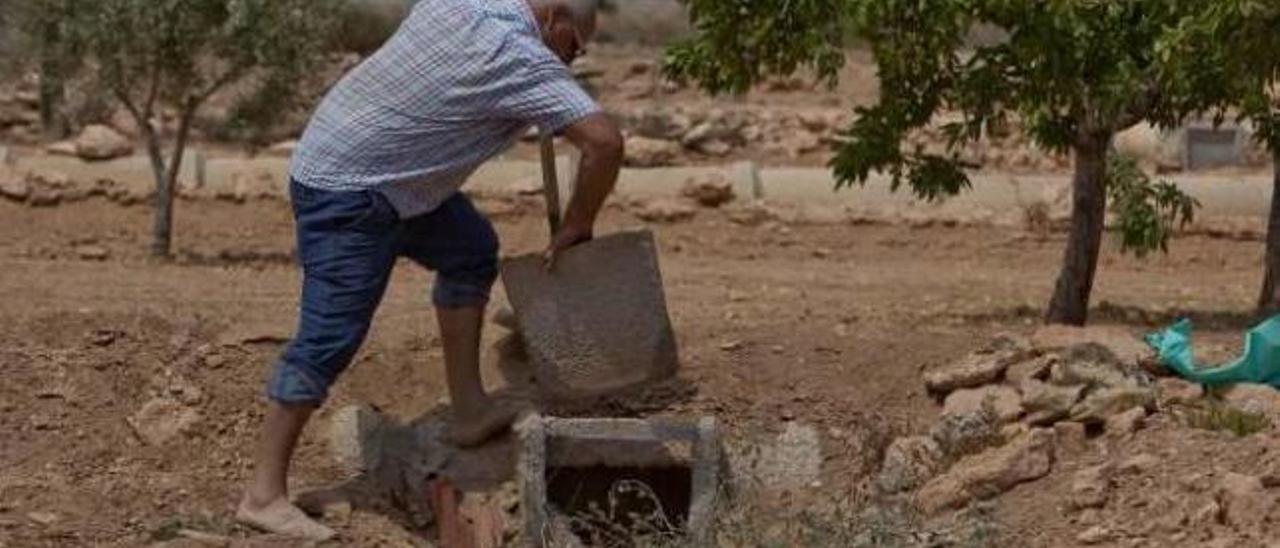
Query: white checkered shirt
457	84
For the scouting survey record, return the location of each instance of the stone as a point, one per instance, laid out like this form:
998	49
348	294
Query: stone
1033	369
988	474
1089	373
1127	423
1259	399
910	462
1245	502
1208	515
1072	438
714	147
99	142
1095	535
973	371
1139	464
646	152
666	210
13	185
43	518
701	133
1126	347
205	539
713	191
355	435
960	435
161	420
61	148
791	460
1100	404
638	88
1048	403
283	149
1151	146
1175	390
1004	402
660	123
92	252
800	143
1091	487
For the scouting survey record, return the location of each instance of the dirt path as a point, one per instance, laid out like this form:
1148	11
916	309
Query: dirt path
829	325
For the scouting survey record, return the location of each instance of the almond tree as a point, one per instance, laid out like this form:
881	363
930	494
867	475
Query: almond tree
158	55
1074	73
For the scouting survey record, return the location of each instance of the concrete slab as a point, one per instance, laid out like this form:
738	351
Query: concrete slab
598	324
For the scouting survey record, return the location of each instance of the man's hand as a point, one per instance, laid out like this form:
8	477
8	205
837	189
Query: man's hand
569	236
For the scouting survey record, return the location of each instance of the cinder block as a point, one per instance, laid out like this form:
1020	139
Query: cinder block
565	464
598	323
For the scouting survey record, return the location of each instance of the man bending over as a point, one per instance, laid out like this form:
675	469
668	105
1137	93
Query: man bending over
376	176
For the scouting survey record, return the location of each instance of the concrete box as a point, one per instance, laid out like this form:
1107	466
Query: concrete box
679	461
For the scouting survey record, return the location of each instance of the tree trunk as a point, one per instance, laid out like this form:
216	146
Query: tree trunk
1070	304
1269	300
167	182
51	88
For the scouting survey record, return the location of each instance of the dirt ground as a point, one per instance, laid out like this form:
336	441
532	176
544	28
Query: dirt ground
827	325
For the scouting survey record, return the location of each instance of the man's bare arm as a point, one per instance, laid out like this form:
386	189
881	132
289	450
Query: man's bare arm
600	141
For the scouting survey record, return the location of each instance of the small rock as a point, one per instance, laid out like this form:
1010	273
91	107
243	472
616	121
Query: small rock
960	435
61	148
1254	398
1003	402
990	473
1091	487
1091	373
1106	402
1034	369
638	88
214	361
714	147
163	419
713	191
1208	515
99	142
283	149
1127	423
666	210
1245	502
909	463
92	252
1071	437
44	197
973	371
43	518
791	460
205	539
646	152
1048	403
1128	348
1139	464
1175	390
1095	535
14	185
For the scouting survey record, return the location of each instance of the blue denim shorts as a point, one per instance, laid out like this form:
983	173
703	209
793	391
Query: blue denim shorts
348	242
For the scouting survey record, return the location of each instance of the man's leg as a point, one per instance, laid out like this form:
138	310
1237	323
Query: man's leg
346	242
458	243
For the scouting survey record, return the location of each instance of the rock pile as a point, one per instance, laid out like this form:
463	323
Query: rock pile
1008	407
